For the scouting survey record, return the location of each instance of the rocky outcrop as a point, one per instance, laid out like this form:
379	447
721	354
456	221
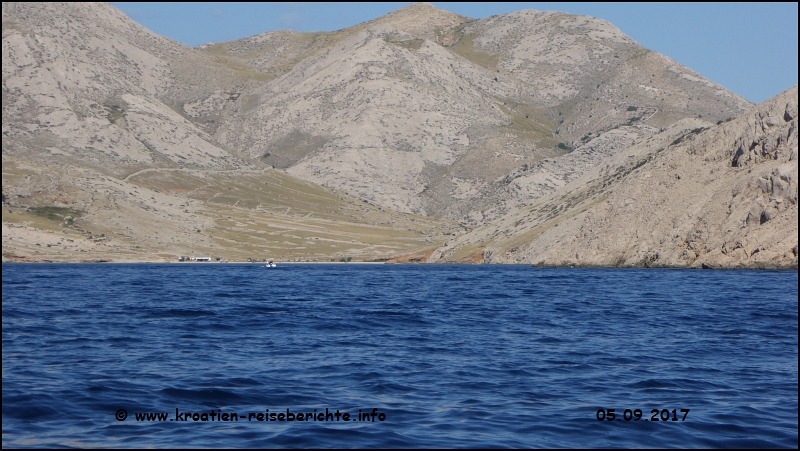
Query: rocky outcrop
760	143
696	195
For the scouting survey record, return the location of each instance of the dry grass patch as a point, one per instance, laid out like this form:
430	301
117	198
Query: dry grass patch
465	48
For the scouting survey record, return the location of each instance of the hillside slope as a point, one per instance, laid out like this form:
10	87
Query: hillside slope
411	127
428	116
83	85
101	161
722	196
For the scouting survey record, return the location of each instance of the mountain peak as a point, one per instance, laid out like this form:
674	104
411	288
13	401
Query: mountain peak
419	6
420	19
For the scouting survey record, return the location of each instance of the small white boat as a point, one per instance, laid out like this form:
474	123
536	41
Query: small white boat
271	264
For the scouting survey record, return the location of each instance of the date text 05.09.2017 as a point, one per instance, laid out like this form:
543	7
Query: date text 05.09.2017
636	415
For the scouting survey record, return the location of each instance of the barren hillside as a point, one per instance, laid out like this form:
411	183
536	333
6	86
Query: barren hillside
699	194
431	118
101	161
393	134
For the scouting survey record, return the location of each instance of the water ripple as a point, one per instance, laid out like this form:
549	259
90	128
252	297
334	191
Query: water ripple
454	356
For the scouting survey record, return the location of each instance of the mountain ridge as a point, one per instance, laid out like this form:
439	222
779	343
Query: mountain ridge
697	195
420	124
507	111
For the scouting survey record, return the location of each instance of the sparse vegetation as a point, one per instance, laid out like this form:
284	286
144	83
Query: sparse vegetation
57	214
684	136
465	47
116	111
411	44
291	148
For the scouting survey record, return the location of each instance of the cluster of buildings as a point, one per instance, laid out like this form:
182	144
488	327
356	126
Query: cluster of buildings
195	259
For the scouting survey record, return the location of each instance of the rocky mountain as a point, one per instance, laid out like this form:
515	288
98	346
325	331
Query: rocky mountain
697	195
390	136
101	161
425	111
84	85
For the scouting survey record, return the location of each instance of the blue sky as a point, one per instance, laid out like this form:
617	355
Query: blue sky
748	48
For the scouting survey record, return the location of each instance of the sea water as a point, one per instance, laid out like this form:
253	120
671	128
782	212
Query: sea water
214	355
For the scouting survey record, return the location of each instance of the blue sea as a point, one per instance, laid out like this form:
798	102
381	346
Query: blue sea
215	355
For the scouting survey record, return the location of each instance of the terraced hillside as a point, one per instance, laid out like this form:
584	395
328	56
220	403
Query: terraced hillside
160	214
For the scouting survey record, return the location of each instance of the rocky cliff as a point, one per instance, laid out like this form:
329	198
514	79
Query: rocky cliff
696	195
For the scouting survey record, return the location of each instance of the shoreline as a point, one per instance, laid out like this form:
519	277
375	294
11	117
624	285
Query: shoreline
761	267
